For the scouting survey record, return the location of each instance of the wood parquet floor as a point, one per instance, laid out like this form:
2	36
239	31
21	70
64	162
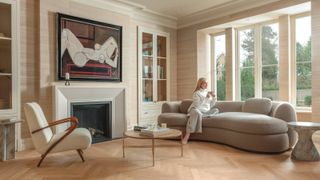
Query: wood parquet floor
202	160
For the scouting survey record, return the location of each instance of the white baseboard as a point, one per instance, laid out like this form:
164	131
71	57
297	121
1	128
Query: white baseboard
25	144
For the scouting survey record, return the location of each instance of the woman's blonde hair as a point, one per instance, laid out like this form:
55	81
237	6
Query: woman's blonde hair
200	81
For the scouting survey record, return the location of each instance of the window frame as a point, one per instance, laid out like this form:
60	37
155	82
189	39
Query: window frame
293	63
257	57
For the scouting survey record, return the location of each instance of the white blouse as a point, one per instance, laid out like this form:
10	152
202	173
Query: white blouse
201	101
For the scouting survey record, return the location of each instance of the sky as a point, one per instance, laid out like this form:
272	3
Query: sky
303	29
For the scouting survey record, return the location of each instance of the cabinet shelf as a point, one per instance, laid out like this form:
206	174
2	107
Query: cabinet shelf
149	56
161	57
5	74
5	38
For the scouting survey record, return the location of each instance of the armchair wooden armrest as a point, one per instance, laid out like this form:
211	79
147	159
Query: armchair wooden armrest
74	122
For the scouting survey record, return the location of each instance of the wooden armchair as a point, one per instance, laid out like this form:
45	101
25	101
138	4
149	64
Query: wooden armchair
45	141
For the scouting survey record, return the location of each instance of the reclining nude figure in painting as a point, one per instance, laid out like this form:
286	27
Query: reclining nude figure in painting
107	53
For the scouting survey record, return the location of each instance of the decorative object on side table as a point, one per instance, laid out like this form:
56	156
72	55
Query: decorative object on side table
153	132
139	128
88	50
305	149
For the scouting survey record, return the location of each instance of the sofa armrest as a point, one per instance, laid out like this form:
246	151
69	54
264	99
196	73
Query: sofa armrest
170	107
287	112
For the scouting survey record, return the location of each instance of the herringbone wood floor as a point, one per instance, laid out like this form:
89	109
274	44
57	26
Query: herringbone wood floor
202	160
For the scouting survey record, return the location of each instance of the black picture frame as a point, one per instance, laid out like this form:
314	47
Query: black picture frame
88	50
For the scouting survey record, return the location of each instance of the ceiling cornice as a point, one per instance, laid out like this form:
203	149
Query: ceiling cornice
220	11
135	11
141	13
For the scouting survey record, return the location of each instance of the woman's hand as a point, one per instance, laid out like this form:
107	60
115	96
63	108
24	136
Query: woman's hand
210	93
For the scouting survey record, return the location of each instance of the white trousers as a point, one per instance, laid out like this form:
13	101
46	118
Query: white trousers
194	124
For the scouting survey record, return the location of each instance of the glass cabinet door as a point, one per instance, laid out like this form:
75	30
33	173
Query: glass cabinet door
161	68
147	67
6	57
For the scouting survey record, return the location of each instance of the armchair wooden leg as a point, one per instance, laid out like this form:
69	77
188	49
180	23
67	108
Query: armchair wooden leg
80	152
42	158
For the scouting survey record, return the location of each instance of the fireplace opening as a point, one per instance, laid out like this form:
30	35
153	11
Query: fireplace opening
96	117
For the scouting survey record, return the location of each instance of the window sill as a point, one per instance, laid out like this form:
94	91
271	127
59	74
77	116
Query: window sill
303	110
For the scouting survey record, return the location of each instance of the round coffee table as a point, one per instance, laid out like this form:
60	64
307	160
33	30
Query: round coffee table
305	149
172	133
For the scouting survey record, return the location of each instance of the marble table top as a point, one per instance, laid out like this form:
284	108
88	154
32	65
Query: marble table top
304	125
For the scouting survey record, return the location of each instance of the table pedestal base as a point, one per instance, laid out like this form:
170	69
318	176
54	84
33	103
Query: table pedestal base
305	149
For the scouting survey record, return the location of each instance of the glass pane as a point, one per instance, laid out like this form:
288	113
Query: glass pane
247	83
246	48
304	84
162	90
161	46
219	55
6	92
270	61
147	93
147	69
246	54
147	44
161	68
270	82
303	58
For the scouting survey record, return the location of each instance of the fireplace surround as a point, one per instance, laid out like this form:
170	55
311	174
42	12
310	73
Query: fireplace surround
66	96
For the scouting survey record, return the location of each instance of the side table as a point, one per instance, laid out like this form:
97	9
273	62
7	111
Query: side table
305	149
7	138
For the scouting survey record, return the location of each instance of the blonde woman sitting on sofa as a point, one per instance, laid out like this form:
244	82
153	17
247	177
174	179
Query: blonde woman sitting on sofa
202	106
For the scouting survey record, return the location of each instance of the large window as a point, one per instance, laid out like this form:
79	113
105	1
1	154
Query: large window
219	51
246	60
303	61
270	61
258	61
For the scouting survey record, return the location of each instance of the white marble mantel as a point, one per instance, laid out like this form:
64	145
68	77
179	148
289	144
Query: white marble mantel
65	95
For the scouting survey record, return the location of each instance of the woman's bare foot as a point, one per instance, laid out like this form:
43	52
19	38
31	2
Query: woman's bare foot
185	138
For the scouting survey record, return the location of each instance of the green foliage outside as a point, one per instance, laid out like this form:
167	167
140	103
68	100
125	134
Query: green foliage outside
307	100
221	86
304	65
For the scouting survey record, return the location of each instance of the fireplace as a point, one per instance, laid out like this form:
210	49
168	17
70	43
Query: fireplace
96	117
65	96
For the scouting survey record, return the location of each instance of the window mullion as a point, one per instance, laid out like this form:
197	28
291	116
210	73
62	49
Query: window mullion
257	61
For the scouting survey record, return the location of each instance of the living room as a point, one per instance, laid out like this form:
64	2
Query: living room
154	58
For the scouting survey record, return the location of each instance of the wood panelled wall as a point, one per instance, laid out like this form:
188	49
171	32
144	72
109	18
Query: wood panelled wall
29	56
38	53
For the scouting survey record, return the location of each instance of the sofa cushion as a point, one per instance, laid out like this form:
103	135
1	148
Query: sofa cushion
246	123
184	106
173	119
257	105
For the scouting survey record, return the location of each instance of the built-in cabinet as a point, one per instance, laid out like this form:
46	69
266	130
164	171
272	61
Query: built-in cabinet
153	73
8	59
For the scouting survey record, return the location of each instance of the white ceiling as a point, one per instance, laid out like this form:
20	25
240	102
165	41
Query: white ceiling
180	8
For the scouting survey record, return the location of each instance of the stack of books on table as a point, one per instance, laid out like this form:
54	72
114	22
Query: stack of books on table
154	132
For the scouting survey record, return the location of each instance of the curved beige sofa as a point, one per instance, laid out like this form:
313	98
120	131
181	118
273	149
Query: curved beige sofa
257	125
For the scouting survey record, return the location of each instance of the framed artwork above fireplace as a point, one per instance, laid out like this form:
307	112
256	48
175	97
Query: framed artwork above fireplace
88	50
